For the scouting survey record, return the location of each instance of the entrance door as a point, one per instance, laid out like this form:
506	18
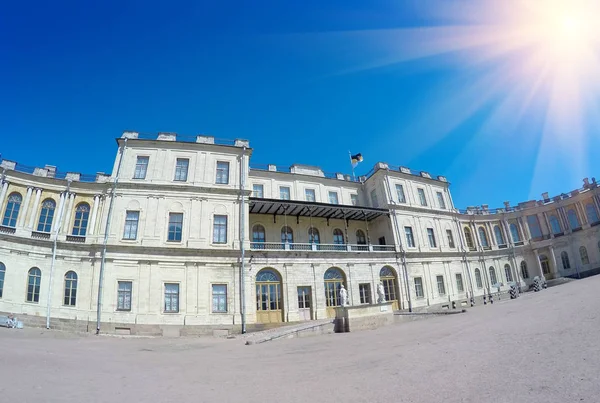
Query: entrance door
545	263
269	306
304	305
334	279
390	286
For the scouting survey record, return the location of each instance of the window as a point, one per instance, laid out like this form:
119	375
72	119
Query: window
220	229
431	236
181	169
33	284
124	296
584	255
82	214
422	197
12	210
141	167
313	235
131	224
499	236
410	239
46	216
284	193
591	213
478	278
450	238
441	201
440	285
2	273
554	225
508	273
222	172
258	190
419	287
258	234
175	227
514	231
573	220
534	226
545	263
338	237
524	271
365	293
171	297
564	256
361	239
287	235
333	198
219	298
459	283
70	288
468	238
483	237
354	199
374	201
493	279
400	194
309	194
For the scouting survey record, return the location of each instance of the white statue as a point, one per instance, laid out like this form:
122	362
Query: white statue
343	296
380	294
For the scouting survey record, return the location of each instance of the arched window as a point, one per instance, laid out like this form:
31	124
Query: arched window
2	272
514	232
584	256
493	278
334	279
70	288
591	213
268	296
33	284
508	273
12	210
287	235
555	225
258	234
338	237
46	215
313	235
573	220
524	271
499	236
564	256
468	238
82	214
478	278
483	237
361	239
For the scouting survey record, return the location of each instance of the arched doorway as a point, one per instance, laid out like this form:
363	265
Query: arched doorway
388	278
334	278
269	304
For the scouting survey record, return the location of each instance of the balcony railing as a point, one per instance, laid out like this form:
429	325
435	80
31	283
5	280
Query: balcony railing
7	230
40	235
320	247
75	238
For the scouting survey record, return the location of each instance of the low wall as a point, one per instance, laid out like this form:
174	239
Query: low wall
360	317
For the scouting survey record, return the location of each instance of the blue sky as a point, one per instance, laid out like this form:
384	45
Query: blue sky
285	75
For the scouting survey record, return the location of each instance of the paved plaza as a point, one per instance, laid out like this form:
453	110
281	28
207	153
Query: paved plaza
542	347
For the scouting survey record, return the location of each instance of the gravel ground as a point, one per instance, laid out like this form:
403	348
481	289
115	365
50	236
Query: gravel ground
542	347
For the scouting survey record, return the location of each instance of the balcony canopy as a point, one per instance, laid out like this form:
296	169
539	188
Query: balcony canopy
297	208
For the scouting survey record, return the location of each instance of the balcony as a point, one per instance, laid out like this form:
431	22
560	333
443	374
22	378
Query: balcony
319	247
75	238
7	230
503	246
40	235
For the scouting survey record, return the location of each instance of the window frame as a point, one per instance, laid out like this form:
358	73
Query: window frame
256	186
124	293
419	290
46	216
181	175
442	289
354	199
441	201
283	190
410	237
127	228
10	216
175	235
400	192
220	297
70	289
431	237
222	169
333	193
450	237
2	275
35	292
364	291
137	172
222	226
169	296
308	191
460	286
81	220
422	197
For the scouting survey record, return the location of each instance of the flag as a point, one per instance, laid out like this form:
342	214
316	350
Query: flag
356	159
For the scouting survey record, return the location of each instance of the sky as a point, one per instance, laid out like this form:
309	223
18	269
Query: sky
427	84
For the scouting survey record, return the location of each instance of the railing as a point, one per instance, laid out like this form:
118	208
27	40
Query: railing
320	247
519	243
26	169
503	246
186	138
40	235
277	168
7	230
75	238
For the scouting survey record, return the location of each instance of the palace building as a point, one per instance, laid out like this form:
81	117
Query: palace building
187	236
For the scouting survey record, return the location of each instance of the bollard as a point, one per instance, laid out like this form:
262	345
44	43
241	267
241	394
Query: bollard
472	302
484	301
491	299
453	304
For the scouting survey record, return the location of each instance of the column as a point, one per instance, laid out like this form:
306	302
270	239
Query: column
68	213
524	230
57	218
581	210
3	192
554	272
491	233
550	232
21	220
35	207
507	234
92	224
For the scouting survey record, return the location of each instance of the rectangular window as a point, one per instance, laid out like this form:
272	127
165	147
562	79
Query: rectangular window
219	297
124	296
141	167
354	199
222	172
181	169
441	286
171	297
284	193
431	236
419	287
257	190
450	238
374	201
309	194
131	224
400	193
333	198
410	239
175	227
365	293
459	283
441	201
220	229
422	197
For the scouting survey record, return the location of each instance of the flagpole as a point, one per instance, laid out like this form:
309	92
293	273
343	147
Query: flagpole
351	164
